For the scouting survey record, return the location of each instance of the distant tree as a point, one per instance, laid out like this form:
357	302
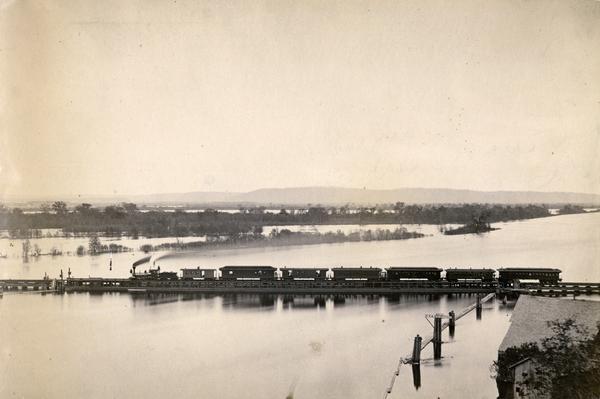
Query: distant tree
259	210
83	209
94	245
60	207
81	250
114	212
129	207
317	213
45	207
37	251
257	230
398	207
25	248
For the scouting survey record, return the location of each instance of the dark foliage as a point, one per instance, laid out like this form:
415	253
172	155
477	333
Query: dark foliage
126	219
567	364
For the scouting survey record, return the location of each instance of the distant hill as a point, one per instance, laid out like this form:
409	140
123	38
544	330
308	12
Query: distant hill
337	196
302	196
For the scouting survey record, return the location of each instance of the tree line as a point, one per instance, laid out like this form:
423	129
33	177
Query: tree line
127	219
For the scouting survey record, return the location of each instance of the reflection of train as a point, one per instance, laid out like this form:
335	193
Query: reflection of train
506	276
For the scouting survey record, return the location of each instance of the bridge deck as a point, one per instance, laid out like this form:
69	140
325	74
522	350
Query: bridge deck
298	287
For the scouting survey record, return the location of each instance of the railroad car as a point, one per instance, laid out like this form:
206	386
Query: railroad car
356	273
298	273
455	274
248	272
543	275
198	274
414	273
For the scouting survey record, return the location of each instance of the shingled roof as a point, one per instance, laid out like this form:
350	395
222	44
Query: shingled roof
529	321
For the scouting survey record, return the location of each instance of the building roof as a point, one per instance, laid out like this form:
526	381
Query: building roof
529	321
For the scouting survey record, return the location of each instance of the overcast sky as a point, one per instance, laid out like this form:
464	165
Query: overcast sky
103	97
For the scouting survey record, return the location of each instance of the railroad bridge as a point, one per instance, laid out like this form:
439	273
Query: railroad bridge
307	287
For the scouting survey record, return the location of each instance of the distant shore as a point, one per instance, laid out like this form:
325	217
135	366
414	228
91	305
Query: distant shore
127	220
286	237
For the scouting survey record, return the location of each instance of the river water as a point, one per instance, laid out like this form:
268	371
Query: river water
118	345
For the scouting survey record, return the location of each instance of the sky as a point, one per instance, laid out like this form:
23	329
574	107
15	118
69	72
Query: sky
138	97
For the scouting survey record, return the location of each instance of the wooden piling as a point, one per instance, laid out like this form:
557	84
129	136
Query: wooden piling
437	337
416	356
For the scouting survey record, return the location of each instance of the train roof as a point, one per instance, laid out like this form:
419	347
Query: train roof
528	269
469	270
418	269
303	268
355	268
247	268
196	268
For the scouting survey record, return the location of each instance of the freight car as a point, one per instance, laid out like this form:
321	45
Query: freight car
455	274
414	273
199	274
506	276
247	272
299	273
356	273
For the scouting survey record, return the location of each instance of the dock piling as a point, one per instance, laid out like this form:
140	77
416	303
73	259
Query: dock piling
437	337
416	356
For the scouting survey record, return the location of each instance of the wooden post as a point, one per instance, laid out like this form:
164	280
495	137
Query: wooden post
437	337
451	323
478	301
416	356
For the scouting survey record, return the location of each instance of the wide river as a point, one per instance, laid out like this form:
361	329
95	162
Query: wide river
186	346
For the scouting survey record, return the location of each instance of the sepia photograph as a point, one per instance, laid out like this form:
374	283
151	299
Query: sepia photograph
308	199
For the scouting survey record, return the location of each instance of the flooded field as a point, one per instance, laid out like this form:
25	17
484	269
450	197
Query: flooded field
189	346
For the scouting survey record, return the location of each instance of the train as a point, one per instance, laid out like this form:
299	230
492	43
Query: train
504	276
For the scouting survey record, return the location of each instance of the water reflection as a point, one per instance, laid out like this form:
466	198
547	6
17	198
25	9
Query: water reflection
416	372
354	341
283	303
